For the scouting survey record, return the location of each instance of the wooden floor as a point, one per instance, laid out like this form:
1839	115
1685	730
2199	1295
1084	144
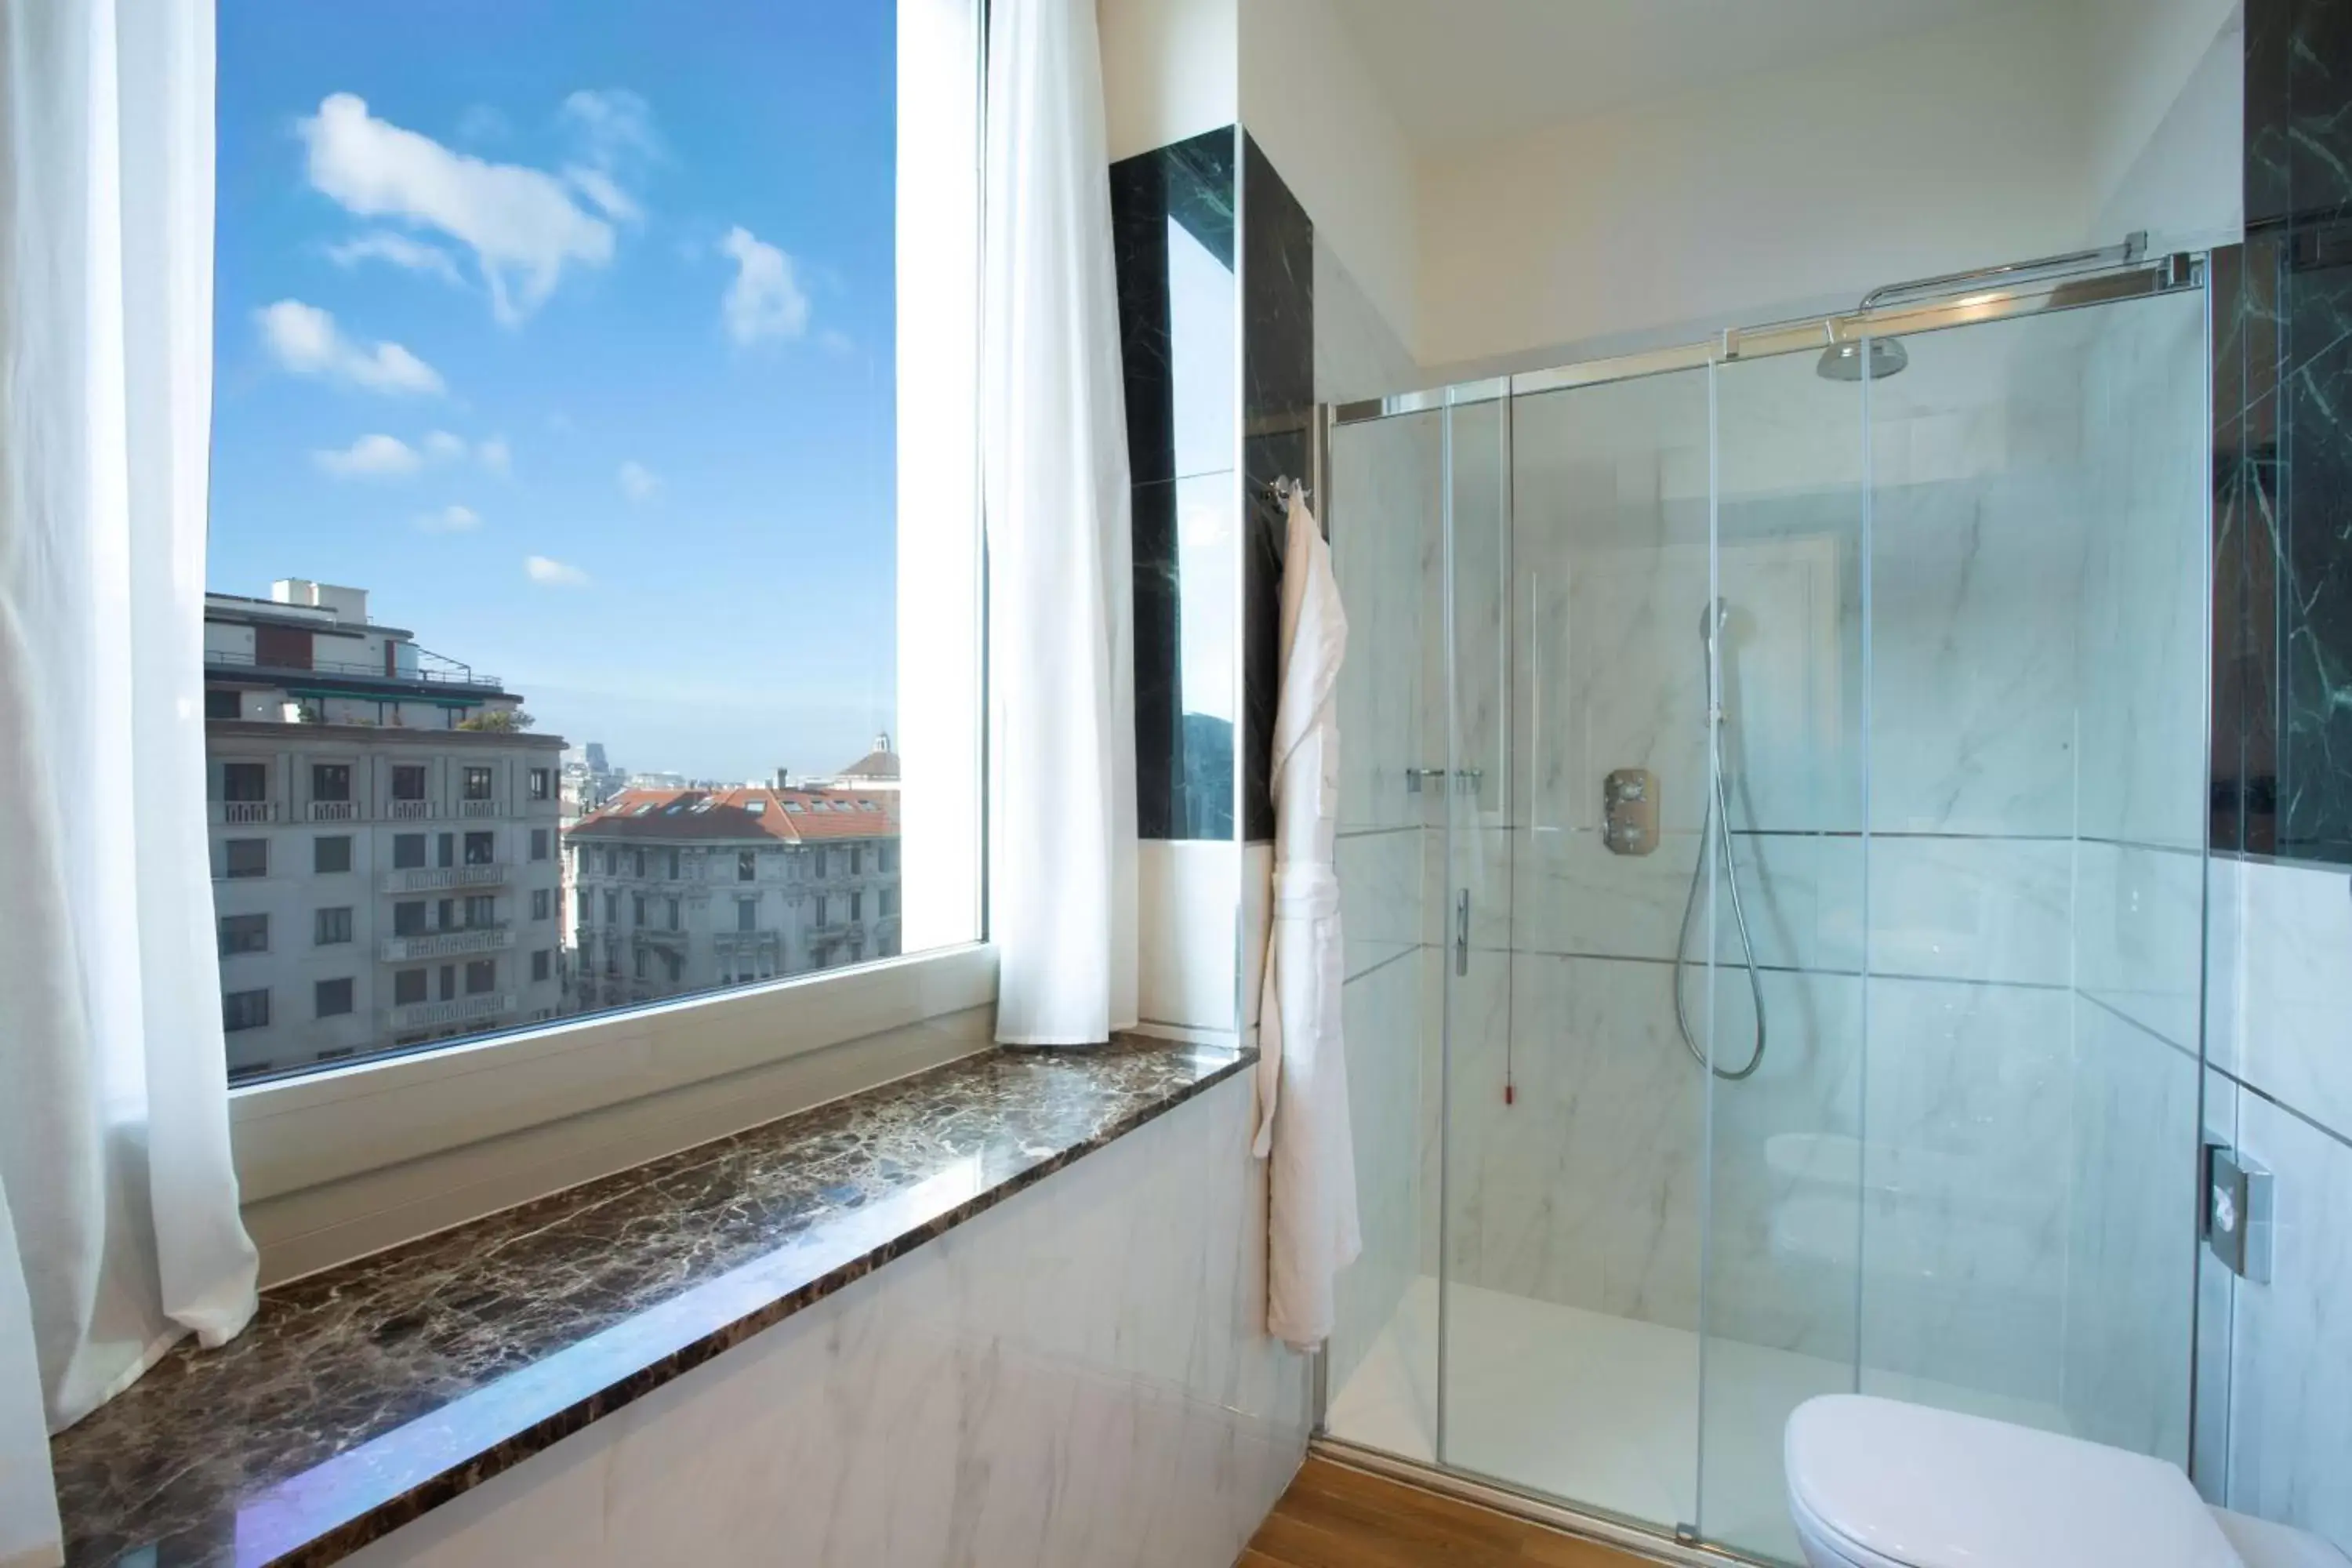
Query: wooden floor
1334	1517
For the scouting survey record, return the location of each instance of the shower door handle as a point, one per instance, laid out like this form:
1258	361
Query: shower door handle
1462	933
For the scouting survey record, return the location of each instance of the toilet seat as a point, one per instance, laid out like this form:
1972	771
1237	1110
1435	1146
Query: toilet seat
1881	1484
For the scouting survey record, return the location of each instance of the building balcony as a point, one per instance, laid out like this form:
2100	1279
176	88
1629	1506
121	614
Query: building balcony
457	1010
835	931
736	941
448	944
661	936
482	808
241	811
411	810
436	878
334	811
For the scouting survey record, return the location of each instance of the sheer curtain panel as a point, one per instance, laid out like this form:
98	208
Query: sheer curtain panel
1062	820
114	1152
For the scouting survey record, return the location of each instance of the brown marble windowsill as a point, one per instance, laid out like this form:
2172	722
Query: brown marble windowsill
365	1396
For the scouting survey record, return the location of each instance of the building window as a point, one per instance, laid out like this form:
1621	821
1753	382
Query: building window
244	934
332	926
856	906
857	860
642	961
221	702
331	856
244	782
637	909
887	902
481	911
672	912
820	908
582	908
612	907
481	976
332	998
245	1010
246	857
418	730
407	987
542	965
448	982
747	914
408	918
886	858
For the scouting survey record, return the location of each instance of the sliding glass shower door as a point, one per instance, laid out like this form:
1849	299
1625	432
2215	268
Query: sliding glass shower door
1801	802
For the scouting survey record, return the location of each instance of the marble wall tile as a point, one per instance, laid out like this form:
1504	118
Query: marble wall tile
2296	1002
2289	1383
1079	1376
1173	235
1383	1016
2138	938
1277	285
1965	1168
2131	1245
1972	909
1380	895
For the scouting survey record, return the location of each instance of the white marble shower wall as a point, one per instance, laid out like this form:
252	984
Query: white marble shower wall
1381	502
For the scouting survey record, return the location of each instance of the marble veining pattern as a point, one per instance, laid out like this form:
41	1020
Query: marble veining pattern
365	1396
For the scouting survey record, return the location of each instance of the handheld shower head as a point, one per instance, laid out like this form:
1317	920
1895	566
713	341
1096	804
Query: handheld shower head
1713	618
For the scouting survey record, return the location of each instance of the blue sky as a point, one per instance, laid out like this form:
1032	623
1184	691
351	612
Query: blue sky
566	331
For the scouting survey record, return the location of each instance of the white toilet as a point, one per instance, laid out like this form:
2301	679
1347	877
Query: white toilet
1875	1483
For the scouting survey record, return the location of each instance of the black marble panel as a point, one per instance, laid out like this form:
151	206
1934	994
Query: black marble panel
365	1396
1173	233
1278	415
2283	449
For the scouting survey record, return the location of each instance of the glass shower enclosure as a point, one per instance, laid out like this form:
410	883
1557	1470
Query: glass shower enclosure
1773	815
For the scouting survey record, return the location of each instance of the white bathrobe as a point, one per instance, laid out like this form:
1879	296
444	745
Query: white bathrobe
1302	1070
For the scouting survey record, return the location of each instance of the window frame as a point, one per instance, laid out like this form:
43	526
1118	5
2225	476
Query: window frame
492	1101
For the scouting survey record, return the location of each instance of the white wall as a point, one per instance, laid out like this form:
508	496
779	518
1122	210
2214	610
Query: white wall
1078	1376
1315	109
2184	180
1722	205
1169	70
2148	57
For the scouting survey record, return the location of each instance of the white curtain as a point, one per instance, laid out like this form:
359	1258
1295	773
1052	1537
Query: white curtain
1060	593
114	1152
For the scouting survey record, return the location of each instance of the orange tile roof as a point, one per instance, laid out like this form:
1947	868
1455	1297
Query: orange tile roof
786	815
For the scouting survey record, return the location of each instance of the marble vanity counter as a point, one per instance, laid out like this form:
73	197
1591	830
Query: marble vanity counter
366	1395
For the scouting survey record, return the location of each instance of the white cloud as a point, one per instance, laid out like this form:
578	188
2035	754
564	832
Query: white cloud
304	339
383	244
495	454
442	446
614	122
521	224
598	187
452	520
638	483
552	573
369	457
765	300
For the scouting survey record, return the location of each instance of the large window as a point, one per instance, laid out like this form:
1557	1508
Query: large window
553	351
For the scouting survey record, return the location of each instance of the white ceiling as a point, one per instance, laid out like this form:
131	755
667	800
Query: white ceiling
1457	72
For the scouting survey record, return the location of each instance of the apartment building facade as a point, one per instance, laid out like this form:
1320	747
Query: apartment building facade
385	842
690	890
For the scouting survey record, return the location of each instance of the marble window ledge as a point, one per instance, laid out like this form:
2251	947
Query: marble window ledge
365	1396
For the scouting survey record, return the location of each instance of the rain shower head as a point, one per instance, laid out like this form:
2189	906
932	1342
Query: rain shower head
1842	362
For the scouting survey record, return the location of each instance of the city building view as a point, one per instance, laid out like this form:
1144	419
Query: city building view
399	857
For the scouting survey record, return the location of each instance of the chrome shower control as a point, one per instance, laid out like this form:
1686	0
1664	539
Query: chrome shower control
1629	811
